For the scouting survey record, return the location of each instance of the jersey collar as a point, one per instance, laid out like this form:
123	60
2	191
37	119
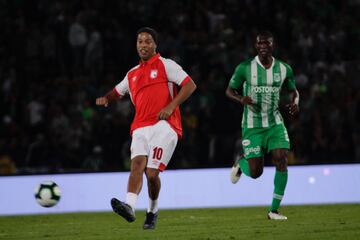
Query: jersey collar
258	61
151	60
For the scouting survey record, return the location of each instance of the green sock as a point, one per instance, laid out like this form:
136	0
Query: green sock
244	166
280	181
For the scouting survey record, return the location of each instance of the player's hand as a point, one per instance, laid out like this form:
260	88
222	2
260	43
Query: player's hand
166	112
246	100
293	108
102	101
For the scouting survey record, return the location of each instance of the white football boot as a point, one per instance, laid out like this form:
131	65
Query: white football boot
235	173
276	216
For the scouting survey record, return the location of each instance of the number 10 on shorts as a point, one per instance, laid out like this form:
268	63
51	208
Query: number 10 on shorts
157	153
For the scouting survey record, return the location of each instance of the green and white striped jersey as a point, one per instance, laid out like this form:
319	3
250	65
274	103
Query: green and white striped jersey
263	86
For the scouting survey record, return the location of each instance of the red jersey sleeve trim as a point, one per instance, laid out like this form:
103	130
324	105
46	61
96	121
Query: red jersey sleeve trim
185	81
116	92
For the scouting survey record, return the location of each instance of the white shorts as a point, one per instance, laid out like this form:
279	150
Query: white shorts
157	142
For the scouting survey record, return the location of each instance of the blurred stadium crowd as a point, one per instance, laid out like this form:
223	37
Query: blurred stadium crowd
58	56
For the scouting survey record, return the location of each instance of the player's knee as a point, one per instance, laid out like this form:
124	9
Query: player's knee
280	159
152	175
256	166
256	173
281	164
138	165
279	154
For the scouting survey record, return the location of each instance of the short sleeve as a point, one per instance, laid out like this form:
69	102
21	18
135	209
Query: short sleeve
238	78
123	87
289	80
175	73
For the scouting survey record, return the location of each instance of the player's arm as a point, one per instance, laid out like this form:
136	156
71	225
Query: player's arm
236	82
294	102
185	92
294	95
234	95
116	93
108	98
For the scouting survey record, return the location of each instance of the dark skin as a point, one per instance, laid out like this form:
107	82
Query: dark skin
264	46
146	48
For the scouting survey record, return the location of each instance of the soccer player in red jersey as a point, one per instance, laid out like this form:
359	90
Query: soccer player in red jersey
153	88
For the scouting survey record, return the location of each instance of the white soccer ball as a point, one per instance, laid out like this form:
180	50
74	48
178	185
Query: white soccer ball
47	194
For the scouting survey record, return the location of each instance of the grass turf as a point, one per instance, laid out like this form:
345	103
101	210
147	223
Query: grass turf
305	222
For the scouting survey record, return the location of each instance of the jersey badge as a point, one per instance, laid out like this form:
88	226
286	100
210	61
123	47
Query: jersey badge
153	73
277	77
133	78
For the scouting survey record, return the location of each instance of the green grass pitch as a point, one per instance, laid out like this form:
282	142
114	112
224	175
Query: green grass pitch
304	222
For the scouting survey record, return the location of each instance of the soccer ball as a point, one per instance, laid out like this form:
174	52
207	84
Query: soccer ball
47	194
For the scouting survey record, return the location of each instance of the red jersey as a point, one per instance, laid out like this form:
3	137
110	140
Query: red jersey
152	85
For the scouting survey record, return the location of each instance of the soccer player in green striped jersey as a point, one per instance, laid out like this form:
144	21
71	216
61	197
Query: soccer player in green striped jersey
256	84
